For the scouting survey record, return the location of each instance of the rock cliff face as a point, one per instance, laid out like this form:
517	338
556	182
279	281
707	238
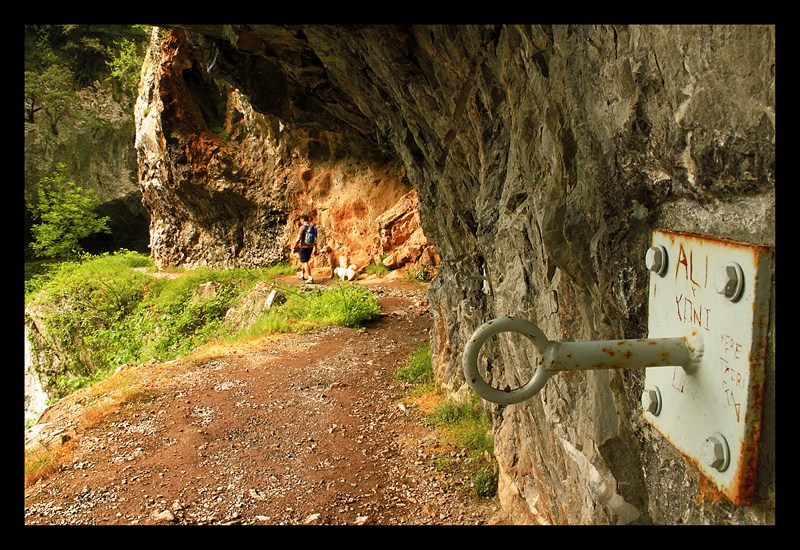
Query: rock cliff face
225	184
94	144
543	157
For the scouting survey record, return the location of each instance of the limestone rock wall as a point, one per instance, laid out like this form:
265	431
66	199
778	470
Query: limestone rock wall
543	157
582	141
94	144
225	184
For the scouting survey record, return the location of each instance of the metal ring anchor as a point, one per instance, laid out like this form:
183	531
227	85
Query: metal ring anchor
557	356
480	336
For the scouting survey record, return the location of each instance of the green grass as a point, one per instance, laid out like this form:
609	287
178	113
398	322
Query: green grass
463	424
267	323
422	274
346	304
468	426
102	312
418	369
378	269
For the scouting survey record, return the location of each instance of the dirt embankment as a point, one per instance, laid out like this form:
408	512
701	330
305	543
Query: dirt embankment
299	429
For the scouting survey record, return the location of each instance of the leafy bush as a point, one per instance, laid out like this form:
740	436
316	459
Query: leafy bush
125	63
349	305
80	299
38	273
92	52
484	482
66	215
415	275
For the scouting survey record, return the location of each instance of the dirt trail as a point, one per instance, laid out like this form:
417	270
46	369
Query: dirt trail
298	429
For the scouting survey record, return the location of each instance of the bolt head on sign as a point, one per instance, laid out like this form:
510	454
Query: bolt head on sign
714	453
727	280
650	401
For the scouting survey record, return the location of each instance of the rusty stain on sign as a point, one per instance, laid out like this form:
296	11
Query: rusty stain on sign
723	397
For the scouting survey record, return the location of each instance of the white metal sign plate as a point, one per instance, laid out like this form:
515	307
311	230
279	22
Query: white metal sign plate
711	414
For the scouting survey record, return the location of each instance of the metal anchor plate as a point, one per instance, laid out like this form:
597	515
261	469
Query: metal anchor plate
712	415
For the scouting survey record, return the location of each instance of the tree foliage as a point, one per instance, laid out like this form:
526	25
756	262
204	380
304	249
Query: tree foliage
125	66
63	65
66	215
52	92
61	59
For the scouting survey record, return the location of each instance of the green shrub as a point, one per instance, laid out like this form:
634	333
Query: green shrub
416	275
483	481
188	322
104	311
66	214
37	274
79	301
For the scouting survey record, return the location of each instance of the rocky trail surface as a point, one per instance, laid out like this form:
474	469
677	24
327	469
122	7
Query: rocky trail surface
303	429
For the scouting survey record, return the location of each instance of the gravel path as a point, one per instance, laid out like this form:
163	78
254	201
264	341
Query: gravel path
295	430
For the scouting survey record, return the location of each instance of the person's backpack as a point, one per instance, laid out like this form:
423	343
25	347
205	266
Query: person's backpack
311	235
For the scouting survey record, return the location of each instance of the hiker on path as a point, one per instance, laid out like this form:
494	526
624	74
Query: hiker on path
305	245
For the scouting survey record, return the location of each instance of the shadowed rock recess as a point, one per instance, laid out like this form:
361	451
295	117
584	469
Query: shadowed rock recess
541	156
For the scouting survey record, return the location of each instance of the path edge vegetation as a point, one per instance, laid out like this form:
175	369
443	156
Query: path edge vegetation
463	427
98	313
100	309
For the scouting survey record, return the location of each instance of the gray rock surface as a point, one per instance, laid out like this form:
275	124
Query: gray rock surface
543	158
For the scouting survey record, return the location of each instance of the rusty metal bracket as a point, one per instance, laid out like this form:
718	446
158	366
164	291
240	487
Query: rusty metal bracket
708	324
712	415
553	357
